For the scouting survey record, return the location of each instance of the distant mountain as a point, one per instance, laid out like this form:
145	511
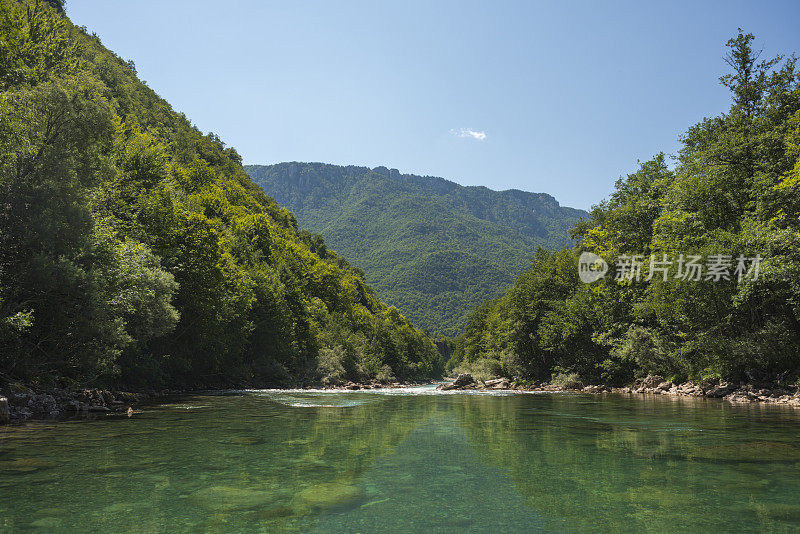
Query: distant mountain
431	247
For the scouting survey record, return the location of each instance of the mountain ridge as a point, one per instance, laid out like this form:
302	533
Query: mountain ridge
410	233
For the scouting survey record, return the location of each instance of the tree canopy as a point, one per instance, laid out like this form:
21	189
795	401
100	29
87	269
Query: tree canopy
733	190
135	250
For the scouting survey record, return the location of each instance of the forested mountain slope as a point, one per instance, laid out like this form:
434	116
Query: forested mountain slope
136	250
431	247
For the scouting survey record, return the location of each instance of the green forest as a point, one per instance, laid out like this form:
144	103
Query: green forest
732	190
136	251
431	247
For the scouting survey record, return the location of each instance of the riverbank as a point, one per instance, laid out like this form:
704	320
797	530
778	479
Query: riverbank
19	403
788	395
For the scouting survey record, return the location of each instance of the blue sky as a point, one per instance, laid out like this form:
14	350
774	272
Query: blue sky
555	97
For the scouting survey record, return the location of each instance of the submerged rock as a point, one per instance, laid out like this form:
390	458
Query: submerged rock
226	498
47	522
780	511
757	451
331	495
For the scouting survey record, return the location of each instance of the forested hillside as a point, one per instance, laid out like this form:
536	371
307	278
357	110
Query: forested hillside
135	250
733	195
431	247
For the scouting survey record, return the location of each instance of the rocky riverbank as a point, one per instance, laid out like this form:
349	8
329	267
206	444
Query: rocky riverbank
652	385
19	403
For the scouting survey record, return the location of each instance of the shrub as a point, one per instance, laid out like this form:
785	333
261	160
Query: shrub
512	364
647	349
565	380
480	369
385	374
330	365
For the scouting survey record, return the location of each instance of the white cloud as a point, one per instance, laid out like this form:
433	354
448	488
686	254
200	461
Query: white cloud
469	133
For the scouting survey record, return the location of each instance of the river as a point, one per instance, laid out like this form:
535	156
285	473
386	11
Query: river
407	460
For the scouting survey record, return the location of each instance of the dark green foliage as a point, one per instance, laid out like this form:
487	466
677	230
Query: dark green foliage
734	191
431	247
136	250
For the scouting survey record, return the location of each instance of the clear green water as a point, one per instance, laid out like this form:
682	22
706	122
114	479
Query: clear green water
407	461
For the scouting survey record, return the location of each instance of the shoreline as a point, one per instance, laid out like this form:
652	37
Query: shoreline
738	393
21	403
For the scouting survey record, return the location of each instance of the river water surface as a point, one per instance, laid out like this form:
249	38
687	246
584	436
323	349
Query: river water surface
410	460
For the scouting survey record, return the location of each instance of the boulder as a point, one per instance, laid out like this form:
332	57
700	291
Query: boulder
77	406
572	385
651	381
42	404
19	399
720	390
497	383
665	386
464	379
707	384
93	397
